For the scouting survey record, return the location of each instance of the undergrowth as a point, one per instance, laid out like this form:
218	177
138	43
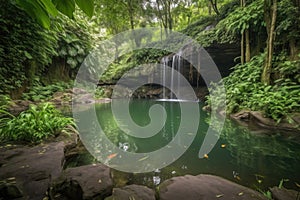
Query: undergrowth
244	90
35	124
38	92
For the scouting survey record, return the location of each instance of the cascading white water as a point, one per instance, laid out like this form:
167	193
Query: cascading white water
164	61
172	76
176	64
179	63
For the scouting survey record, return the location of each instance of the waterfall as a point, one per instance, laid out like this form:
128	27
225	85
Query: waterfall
164	61
179	63
172	76
176	64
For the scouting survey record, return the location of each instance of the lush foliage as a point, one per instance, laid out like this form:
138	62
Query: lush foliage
245	91
131	60
39	92
23	42
28	52
42	10
74	40
36	123
235	21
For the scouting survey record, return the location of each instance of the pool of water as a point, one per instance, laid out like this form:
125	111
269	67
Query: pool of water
247	157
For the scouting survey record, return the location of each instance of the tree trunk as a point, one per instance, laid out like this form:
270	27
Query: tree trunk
214	6
242	2
198	68
266	74
293	49
242	49
131	19
248	56
209	8
169	15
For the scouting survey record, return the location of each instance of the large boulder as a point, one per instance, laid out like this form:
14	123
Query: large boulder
27	171
205	187
132	192
284	194
84	182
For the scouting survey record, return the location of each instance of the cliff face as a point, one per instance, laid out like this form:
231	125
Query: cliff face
223	55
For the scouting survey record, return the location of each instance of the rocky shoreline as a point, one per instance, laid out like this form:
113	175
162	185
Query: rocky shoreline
38	172
63	101
255	118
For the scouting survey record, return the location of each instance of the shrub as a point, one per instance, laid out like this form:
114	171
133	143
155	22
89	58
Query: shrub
35	124
39	92
244	90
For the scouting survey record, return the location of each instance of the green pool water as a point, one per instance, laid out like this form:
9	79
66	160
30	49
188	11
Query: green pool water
255	158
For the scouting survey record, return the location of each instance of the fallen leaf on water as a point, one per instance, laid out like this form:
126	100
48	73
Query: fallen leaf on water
259	181
223	145
11	178
144	158
112	155
205	156
219	195
297	184
237	177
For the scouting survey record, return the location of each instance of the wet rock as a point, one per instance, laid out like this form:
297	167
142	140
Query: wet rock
204	187
84	99
32	168
243	115
17	106
132	192
284	194
258	118
78	91
103	100
61	98
206	108
121	179
84	182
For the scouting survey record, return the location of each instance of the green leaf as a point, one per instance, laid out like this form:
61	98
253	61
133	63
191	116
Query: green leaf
34	9
49	7
27	55
67	7
87	6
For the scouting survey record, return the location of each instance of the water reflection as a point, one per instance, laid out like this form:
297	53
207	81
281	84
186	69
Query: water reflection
257	161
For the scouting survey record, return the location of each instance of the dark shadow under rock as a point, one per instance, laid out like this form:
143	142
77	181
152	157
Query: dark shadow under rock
132	192
284	194
84	182
205	187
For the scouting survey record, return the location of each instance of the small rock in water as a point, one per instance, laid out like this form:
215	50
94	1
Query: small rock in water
124	146
183	167
156	180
